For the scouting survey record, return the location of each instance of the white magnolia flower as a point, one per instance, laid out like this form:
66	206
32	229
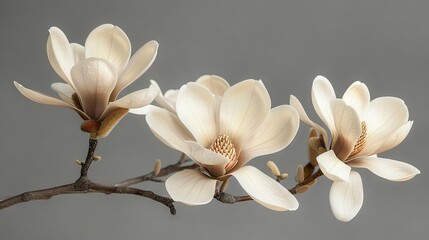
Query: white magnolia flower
217	85
360	129
94	75
221	134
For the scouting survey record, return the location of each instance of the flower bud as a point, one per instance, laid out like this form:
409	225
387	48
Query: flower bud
273	167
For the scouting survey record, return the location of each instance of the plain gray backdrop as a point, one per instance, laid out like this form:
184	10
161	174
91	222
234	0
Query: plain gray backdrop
384	44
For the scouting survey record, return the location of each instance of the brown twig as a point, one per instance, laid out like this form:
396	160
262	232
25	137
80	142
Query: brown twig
163	172
84	185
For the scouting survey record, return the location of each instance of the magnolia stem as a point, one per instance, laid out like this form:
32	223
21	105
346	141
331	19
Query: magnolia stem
84	185
167	170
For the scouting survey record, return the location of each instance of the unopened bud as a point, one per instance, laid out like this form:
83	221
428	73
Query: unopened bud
96	158
299	177
90	126
273	167
283	176
302	189
78	162
310	184
157	167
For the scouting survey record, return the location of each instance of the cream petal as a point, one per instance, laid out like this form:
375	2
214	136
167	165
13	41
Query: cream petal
94	81
196	108
138	64
43	99
322	93
332	167
346	198
386	168
265	190
384	116
396	137
357	96
243	109
110	43
294	102
60	54
191	187
168	100
215	84
167	127
214	163
140	111
347	128
78	52
277	132
64	91
137	99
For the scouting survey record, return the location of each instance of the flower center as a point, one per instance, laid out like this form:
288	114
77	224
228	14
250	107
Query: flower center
223	145
360	143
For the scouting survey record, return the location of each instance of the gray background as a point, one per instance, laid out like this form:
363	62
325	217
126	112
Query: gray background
286	43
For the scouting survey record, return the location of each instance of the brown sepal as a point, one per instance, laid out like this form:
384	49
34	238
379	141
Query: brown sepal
111	120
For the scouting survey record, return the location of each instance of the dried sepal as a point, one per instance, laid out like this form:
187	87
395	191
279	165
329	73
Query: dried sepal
273	167
308	170
299	176
157	167
111	121
302	189
316	146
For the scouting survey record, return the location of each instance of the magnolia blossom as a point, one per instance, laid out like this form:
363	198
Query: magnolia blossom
96	73
217	85
221	133
360	129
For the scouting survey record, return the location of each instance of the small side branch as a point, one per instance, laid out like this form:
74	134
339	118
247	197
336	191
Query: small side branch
163	172
83	185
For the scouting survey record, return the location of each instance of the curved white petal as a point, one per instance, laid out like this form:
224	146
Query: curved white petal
346	198
243	109
294	102
332	167
60	54
196	108
110	43
277	132
265	190
64	91
136	100
396	137
386	168
213	162
357	96
43	99
348	128
138	64
167	127
191	187
140	111
78	52
322	93
94	81
384	116
217	85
